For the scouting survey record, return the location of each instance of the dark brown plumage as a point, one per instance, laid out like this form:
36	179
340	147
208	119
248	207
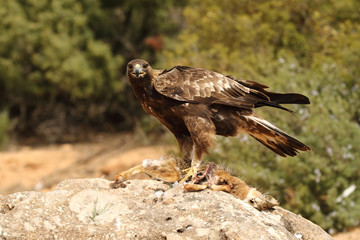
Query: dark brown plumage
196	104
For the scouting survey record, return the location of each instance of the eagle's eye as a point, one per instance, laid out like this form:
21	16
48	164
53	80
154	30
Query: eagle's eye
130	66
145	65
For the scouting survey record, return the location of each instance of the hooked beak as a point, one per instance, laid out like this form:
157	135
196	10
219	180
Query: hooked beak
138	71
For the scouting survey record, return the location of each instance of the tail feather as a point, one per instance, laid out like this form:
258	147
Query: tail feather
273	138
287	98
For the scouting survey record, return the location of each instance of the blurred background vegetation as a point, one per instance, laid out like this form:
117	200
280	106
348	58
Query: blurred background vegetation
62	73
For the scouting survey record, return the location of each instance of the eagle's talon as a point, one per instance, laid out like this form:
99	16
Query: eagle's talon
192	172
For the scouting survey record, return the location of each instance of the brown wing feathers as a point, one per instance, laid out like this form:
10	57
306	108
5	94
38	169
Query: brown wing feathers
203	86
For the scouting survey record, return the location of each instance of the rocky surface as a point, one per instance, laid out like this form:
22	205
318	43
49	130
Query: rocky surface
143	209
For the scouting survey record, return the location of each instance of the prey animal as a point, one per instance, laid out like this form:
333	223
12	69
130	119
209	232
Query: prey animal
210	176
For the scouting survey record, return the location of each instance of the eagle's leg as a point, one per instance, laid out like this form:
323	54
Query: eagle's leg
187	151
202	135
203	142
192	154
191	161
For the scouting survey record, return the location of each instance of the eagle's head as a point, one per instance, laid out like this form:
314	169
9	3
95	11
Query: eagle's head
137	68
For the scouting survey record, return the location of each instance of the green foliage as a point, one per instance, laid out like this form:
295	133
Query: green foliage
131	23
309	47
62	62
48	53
50	59
4	127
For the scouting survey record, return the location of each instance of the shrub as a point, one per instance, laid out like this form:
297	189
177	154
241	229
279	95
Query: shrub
309	47
4	127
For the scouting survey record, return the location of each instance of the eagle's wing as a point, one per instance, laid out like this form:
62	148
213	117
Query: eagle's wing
280	98
203	86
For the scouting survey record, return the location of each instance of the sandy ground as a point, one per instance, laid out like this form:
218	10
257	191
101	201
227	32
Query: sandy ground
353	234
40	168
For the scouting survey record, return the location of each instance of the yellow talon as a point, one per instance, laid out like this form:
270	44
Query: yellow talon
191	172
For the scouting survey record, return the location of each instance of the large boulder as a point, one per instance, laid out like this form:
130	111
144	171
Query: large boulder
143	209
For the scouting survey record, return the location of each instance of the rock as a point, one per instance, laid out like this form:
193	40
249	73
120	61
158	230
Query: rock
143	209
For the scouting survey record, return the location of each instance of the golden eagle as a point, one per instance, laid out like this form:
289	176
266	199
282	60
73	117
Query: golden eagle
196	104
